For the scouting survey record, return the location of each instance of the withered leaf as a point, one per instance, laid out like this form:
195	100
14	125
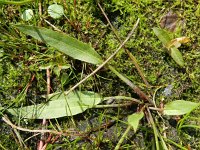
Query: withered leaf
169	21
177	42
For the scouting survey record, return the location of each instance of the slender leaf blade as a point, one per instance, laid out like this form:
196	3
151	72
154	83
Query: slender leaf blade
60	105
62	42
134	119
179	107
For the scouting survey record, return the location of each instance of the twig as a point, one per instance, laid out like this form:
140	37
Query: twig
122	97
41	145
102	126
136	89
127	51
29	84
48	82
157	109
19	139
106	61
114	105
54	27
66	133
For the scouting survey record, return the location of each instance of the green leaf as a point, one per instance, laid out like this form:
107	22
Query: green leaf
179	107
173	51
55	11
177	56
60	105
27	15
162	36
64	43
64	79
134	119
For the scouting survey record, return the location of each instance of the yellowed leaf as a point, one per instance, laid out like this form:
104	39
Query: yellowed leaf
177	42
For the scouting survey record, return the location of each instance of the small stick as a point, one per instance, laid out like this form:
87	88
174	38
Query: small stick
127	51
106	61
66	133
48	82
54	27
44	121
114	105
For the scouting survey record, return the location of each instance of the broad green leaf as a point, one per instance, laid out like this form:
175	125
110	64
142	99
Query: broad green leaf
60	105
62	42
173	51
55	11
27	15
134	119
179	107
177	56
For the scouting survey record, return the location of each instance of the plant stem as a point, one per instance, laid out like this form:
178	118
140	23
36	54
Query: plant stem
137	90
106	61
155	108
154	129
156	133
177	145
113	105
66	133
16	2
122	97
190	126
127	51
122	138
2	147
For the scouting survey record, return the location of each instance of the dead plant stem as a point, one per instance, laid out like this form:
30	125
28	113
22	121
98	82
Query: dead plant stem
66	133
127	51
106	61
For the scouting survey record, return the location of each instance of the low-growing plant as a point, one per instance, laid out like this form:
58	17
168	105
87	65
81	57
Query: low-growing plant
151	110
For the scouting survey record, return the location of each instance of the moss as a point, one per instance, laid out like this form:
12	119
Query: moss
85	22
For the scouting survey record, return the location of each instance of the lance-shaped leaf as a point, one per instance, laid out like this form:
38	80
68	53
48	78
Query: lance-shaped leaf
162	36
179	107
177	56
60	105
62	42
173	51
134	119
